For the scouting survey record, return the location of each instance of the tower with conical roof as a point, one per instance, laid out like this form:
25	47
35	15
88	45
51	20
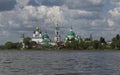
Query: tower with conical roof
57	37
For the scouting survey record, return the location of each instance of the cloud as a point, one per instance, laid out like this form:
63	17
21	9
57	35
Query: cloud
110	23
43	14
46	2
115	12
25	19
90	5
21	3
115	2
6	5
114	17
99	17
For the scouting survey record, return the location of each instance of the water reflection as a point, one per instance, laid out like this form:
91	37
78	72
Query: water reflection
59	63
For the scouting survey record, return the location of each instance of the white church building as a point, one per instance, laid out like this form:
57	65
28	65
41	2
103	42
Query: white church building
37	36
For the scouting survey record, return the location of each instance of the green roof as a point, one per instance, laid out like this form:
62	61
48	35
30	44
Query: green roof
45	36
71	33
46	39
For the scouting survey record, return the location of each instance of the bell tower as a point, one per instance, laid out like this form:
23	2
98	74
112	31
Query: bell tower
57	37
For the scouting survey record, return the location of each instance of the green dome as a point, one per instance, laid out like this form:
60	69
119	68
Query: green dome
46	39
71	33
45	36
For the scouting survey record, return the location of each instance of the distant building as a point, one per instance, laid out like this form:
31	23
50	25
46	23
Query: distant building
71	35
39	38
46	40
57	37
22	41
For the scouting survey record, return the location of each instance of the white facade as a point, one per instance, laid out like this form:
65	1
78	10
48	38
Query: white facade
37	36
57	37
37	40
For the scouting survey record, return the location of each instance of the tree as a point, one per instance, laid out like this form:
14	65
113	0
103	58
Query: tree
117	36
73	44
113	44
9	45
96	44
116	42
32	44
27	42
82	44
102	40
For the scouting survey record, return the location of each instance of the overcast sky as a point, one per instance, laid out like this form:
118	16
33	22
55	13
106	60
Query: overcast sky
96	17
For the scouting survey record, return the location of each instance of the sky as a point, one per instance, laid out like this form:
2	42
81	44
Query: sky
96	17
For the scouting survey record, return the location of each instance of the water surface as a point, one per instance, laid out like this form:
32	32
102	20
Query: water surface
59	62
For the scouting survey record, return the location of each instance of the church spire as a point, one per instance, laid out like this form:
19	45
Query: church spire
91	37
71	29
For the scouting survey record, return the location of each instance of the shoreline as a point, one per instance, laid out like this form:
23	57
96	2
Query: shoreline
59	50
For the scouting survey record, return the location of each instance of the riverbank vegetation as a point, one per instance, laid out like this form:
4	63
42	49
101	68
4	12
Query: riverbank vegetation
82	44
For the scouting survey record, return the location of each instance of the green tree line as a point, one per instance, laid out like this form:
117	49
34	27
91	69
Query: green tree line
82	44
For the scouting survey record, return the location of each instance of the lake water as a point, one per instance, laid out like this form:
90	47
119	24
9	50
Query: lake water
59	62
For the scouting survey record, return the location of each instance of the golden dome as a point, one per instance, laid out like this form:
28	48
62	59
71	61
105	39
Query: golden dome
37	28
